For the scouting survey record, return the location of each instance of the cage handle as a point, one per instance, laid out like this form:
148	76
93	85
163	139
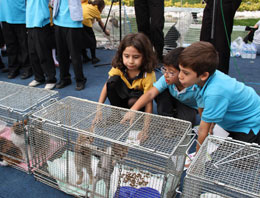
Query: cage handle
49	102
191	140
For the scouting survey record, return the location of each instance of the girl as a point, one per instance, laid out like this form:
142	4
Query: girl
92	11
131	74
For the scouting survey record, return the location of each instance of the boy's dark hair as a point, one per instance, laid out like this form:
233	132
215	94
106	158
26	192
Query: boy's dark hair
100	4
172	58
143	45
201	57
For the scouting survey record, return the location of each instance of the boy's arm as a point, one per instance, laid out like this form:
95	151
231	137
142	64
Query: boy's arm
203	133
145	99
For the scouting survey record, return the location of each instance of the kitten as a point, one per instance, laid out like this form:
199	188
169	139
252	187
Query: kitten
107	163
83	157
17	136
8	148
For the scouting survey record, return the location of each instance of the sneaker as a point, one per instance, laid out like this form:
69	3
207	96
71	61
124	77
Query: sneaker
50	86
34	83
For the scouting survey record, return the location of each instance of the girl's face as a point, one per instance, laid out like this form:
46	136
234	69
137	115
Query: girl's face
170	75
132	58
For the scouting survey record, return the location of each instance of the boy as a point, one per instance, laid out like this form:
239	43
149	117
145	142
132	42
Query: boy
172	98
226	102
67	18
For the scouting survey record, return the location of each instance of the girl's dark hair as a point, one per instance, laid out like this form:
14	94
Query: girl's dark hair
172	58
201	57
143	45
100	4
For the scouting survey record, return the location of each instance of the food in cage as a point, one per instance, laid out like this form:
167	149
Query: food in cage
106	165
83	157
8	148
17	136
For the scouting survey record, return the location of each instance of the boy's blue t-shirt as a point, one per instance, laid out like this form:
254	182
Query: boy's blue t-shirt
63	18
187	96
37	13
12	11
230	104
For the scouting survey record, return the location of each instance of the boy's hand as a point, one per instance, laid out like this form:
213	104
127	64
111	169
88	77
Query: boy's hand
129	116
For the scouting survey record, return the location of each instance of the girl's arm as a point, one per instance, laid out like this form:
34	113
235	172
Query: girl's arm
102	99
101	24
103	94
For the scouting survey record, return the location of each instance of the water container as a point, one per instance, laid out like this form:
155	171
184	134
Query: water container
244	51
254	51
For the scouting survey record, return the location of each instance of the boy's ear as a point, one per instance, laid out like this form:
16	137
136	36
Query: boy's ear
204	76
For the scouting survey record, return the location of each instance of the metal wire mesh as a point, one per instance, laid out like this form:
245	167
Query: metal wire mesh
181	27
17	102
107	156
226	168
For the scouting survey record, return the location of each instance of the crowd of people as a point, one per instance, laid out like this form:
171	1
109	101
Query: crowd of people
191	83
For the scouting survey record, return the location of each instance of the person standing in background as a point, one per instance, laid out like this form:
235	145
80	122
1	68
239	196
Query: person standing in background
150	21
67	18
39	42
217	25
2	45
12	16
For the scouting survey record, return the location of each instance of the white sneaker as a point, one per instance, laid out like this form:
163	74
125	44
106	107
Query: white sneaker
34	83
49	86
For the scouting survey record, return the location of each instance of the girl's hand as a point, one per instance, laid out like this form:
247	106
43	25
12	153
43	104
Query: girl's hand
142	136
107	32
129	117
97	118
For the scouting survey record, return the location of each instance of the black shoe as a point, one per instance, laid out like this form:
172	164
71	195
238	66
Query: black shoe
85	59
80	85
63	84
26	75
5	70
95	60
12	75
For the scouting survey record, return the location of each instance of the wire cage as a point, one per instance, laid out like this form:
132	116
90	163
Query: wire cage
181	27
105	158
224	168
17	102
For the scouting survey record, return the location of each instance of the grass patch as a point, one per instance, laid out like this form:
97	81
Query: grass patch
245	22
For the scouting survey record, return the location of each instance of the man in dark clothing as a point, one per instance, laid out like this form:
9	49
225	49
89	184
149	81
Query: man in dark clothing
219	37
150	21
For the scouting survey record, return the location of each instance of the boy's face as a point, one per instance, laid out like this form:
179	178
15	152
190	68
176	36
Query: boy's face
170	75
188	77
